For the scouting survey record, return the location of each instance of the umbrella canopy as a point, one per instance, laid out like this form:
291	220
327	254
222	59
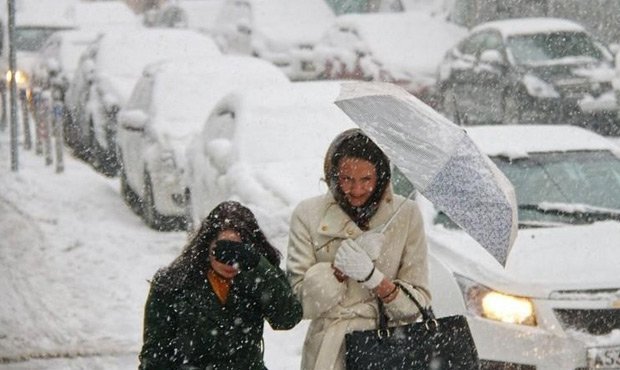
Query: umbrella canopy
439	159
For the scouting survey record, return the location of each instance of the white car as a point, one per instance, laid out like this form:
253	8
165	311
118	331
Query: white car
402	48
194	14
556	304
166	110
105	76
60	55
265	148
283	32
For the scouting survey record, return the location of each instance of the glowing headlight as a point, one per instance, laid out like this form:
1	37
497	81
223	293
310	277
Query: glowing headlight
21	78
485	302
539	88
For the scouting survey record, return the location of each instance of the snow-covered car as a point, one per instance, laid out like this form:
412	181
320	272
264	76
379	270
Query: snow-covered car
59	56
265	148
195	14
556	304
106	74
167	109
530	70
35	22
402	48
283	32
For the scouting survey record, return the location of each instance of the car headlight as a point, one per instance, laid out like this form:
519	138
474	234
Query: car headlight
539	88
490	304
21	78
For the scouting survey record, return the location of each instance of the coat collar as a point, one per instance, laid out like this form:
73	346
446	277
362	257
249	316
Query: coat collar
335	223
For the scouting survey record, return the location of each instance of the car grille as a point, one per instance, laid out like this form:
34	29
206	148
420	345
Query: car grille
594	322
573	89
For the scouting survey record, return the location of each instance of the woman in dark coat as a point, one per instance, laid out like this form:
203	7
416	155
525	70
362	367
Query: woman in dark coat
207	308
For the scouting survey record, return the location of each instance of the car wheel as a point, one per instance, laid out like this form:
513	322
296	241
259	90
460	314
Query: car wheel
149	212
102	160
92	147
189	221
152	217
130	197
511	111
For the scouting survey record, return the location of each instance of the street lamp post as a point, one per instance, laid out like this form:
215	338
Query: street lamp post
12	85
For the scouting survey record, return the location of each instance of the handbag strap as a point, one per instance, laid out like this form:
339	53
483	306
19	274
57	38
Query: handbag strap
426	312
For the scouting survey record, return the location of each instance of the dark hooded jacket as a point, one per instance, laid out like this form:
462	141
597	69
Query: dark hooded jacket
187	327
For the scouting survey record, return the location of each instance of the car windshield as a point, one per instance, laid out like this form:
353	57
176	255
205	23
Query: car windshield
571	187
31	38
552	47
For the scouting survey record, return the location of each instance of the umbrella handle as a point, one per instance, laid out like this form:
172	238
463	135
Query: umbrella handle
393	216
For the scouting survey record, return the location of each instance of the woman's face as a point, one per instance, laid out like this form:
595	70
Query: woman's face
222	269
358	179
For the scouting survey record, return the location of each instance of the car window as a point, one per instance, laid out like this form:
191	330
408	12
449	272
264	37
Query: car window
142	95
221	125
472	45
400	183
481	41
174	17
542	47
31	38
573	178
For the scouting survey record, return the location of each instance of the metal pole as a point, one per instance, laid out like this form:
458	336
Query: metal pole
13	86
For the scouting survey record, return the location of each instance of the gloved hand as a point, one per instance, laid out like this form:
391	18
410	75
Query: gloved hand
236	253
371	242
356	264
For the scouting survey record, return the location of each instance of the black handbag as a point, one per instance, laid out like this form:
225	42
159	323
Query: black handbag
434	343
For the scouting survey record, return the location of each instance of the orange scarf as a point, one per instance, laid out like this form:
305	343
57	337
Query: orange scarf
220	286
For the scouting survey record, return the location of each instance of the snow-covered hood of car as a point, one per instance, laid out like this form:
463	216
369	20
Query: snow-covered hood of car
583	256
542	260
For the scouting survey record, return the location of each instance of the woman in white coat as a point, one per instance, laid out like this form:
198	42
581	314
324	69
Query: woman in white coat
339	264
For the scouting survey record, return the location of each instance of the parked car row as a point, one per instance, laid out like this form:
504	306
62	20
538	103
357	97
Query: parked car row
166	111
308	42
534	70
105	77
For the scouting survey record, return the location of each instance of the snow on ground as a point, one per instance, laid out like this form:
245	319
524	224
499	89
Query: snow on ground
74	265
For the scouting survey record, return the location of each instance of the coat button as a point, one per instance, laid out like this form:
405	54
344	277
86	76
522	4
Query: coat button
324	227
349	232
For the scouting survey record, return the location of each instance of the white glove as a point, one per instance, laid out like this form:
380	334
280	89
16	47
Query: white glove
371	242
353	261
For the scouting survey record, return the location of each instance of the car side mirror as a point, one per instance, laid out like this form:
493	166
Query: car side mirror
53	66
220	151
132	120
492	57
244	27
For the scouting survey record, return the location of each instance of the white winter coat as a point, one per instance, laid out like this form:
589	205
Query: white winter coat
318	226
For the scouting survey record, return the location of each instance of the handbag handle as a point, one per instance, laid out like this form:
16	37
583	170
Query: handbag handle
427	312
